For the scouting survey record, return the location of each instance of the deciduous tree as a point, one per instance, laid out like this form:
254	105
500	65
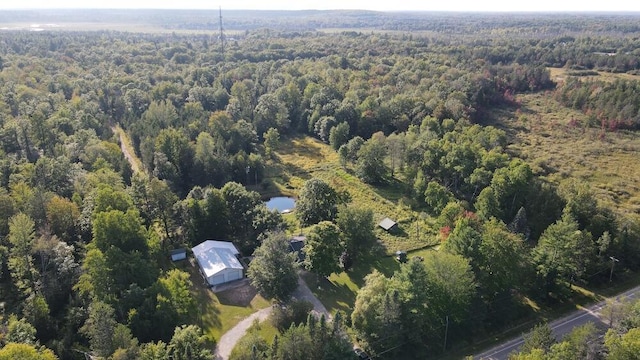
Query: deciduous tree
323	248
273	271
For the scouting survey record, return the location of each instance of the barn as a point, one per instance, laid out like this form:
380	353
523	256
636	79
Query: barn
218	261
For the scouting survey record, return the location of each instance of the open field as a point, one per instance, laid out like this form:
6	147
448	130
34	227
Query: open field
302	158
553	140
560	74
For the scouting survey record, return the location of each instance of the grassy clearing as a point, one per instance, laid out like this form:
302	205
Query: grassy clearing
220	312
553	140
302	158
560	74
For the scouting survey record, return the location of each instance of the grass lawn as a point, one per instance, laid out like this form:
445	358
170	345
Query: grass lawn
220	312
301	158
264	329
338	291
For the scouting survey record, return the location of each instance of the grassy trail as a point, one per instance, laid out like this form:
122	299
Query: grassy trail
127	149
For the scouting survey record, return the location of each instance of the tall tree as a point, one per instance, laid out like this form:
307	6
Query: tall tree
356	225
370	166
317	201
99	328
563	253
323	248
273	271
188	343
21	238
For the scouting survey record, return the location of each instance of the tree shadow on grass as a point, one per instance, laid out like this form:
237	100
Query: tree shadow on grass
239	296
339	291
208	311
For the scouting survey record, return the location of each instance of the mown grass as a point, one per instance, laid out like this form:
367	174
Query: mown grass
218	313
338	291
301	158
559	146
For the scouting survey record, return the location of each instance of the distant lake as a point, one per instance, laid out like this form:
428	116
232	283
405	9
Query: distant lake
281	203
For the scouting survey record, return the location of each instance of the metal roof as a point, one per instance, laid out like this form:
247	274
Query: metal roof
387	224
216	256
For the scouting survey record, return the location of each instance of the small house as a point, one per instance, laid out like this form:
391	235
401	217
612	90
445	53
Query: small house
218	261
388	224
178	254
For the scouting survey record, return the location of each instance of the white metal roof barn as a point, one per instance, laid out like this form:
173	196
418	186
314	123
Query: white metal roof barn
218	261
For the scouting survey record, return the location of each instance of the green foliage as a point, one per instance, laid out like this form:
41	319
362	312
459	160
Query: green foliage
317	201
563	253
273	270
540	337
21	238
503	261
174	302
356	229
20	331
339	135
623	347
292	313
413	304
188	343
271	141
370	166
251	346
437	197
465	239
12	351
323	247
314	340
100	328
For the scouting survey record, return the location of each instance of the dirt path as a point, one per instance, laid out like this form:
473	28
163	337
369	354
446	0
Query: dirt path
230	338
125	146
304	293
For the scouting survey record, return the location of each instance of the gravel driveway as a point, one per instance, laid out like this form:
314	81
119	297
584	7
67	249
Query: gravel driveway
231	337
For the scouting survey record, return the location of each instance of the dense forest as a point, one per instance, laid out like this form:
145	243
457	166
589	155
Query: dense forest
85	231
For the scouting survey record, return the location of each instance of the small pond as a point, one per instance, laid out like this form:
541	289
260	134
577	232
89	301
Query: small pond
281	203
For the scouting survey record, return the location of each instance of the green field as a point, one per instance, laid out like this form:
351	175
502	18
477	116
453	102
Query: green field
554	141
302	158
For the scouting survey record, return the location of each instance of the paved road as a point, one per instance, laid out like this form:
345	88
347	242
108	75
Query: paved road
560	327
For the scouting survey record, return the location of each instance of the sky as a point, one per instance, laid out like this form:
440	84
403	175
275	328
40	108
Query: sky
388	5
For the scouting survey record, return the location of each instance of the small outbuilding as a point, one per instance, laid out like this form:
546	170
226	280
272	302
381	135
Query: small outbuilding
296	245
178	254
388	224
218	261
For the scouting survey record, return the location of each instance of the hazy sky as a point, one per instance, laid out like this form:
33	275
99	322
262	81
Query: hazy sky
456	5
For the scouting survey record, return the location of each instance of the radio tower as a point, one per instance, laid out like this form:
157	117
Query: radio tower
221	36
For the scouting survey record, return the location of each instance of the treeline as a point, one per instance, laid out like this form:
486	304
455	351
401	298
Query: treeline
609	105
586	342
398	109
